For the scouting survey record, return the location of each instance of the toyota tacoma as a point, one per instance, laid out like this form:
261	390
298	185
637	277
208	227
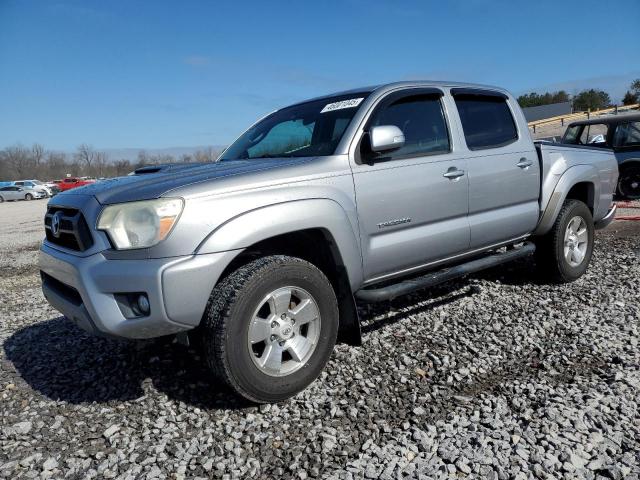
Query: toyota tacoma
362	195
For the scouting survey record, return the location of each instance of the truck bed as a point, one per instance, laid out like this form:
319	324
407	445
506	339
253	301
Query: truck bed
556	159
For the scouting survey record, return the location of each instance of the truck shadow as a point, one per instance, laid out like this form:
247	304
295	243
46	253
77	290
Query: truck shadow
375	316
380	315
62	362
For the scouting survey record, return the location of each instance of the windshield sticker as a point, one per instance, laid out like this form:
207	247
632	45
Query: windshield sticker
351	103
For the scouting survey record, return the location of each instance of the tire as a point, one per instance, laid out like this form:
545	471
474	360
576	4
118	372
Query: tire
629	183
557	263
28	196
1	200
249	302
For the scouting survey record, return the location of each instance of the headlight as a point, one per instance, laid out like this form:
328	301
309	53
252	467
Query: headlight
140	224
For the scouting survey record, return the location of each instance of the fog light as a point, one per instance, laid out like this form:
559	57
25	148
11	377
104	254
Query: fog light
143	304
133	304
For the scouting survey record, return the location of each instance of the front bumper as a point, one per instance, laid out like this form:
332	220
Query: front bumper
607	219
83	288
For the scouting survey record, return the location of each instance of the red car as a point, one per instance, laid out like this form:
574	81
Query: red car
72	182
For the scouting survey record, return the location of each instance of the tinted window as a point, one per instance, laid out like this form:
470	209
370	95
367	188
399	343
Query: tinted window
487	121
421	119
627	135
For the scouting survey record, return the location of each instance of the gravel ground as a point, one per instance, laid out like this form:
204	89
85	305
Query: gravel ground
497	376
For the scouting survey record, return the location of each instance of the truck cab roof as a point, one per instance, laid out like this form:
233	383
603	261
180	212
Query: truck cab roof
385	87
609	120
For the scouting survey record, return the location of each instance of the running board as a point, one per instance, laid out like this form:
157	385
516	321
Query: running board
429	280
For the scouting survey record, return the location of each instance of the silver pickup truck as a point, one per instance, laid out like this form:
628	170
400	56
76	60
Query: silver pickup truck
367	194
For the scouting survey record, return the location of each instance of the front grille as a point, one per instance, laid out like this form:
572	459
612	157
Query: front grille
72	230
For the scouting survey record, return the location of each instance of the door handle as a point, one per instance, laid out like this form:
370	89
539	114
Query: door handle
453	173
524	163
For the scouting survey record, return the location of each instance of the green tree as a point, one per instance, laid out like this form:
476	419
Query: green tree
535	99
635	87
630	98
591	100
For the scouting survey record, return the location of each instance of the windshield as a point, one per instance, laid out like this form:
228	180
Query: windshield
306	130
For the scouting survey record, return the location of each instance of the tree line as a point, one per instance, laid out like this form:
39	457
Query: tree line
36	162
590	99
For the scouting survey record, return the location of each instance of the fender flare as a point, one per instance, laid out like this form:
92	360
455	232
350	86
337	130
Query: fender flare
627	161
262	223
572	176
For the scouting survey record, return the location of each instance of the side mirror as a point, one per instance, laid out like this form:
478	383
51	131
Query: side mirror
386	137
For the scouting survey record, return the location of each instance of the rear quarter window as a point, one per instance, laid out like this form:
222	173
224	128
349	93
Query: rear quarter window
486	121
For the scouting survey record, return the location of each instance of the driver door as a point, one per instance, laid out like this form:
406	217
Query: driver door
411	208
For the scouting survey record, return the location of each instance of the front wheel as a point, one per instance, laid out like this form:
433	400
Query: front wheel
564	253
629	183
1	199
28	196
270	327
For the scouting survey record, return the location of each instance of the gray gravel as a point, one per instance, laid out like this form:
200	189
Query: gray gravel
493	377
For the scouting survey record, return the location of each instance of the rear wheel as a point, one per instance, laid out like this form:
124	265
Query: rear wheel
28	196
564	253
629	183
1	199
270	327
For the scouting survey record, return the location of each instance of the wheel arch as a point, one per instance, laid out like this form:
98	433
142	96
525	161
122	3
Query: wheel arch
317	230
629	163
581	182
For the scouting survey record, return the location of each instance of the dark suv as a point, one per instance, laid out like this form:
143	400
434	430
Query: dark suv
620	133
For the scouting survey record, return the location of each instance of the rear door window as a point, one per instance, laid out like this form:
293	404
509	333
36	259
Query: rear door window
627	135
486	121
595	135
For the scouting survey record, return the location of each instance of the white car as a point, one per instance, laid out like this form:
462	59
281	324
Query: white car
36	185
15	192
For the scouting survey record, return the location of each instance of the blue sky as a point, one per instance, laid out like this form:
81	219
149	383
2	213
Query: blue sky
158	74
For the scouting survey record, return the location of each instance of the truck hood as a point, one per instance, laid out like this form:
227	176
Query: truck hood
153	182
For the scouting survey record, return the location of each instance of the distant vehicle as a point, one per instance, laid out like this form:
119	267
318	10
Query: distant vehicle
35	184
621	133
72	182
14	192
53	187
